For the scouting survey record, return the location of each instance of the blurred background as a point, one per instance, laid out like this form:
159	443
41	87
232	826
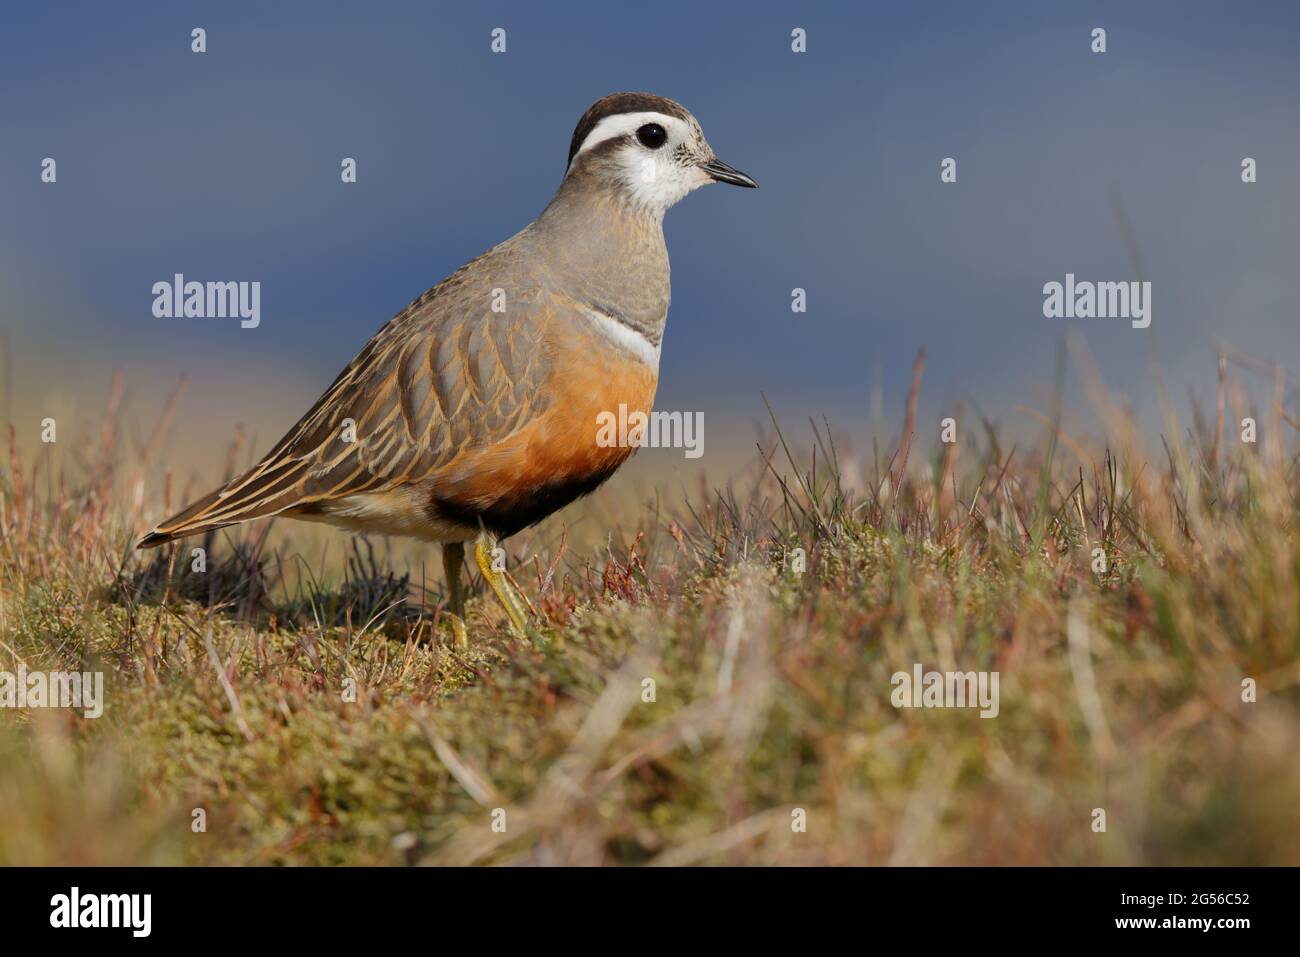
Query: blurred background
225	166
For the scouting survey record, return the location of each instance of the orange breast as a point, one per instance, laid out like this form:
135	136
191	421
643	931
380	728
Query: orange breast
567	451
584	430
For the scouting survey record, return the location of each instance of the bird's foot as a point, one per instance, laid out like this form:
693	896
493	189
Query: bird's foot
459	633
505	592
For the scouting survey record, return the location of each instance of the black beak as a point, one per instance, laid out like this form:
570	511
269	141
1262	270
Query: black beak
723	173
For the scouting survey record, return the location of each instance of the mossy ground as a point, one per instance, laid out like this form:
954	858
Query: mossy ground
770	623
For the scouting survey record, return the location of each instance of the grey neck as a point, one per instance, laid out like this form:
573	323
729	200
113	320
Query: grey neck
607	254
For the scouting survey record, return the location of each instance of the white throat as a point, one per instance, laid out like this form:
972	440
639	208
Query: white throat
652	180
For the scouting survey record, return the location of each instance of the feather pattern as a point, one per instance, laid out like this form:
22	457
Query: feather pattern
443	377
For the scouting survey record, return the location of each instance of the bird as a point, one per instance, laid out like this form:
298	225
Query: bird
471	414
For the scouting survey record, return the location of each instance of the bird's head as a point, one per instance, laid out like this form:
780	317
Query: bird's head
648	149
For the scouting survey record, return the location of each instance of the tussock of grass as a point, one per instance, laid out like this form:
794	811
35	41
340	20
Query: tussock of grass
1120	689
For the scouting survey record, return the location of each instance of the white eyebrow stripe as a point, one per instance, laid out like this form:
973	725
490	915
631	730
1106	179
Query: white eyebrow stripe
624	335
620	124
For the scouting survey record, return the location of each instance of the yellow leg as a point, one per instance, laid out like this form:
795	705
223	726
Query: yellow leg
453	560
505	592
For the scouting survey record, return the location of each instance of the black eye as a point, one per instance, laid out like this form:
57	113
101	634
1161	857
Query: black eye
652	136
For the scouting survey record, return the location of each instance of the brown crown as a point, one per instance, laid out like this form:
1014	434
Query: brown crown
617	103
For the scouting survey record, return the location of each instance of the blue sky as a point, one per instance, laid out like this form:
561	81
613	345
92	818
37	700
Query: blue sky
226	166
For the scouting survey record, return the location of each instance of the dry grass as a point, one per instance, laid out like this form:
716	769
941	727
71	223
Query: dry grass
1120	690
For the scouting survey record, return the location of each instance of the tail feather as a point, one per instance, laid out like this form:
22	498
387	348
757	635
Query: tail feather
153	540
204	515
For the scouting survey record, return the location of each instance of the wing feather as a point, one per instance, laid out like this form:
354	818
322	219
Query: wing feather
445	375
